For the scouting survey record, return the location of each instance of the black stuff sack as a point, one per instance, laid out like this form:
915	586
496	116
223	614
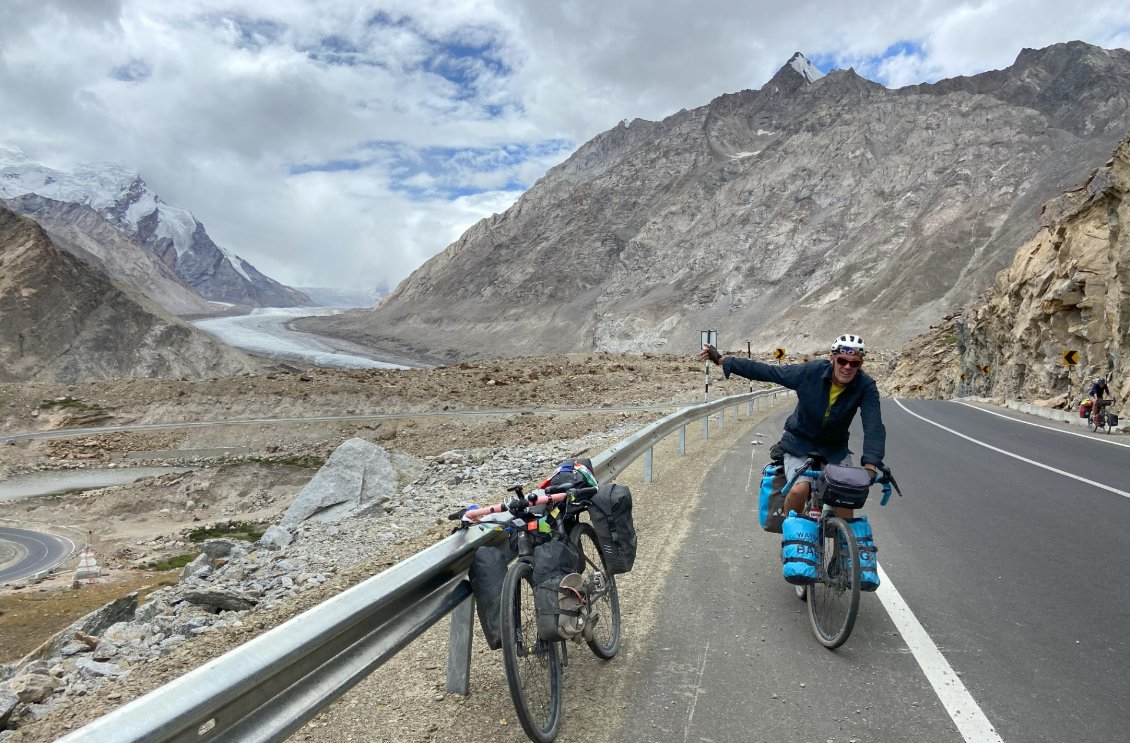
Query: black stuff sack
557	596
844	487
771	501
574	472
611	513
488	571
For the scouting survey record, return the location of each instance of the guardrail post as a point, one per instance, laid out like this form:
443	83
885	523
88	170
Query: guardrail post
721	417
682	440
648	457
706	426
459	648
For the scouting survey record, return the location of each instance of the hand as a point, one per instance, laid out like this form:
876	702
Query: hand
710	352
873	470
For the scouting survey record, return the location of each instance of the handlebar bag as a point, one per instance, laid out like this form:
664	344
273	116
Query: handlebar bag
557	598
611	514
771	501
844	487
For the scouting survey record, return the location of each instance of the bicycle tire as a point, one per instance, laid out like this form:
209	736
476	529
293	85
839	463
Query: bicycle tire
604	636
1107	424
833	600
533	668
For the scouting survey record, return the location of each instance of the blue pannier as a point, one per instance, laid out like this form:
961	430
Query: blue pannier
771	501
798	549
868	562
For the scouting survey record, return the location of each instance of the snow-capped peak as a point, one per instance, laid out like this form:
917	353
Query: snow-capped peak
113	190
801	64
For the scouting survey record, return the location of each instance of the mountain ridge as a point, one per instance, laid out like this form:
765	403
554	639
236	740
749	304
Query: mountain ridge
171	233
66	321
771	215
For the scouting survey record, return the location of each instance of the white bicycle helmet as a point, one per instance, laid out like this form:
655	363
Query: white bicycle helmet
849	343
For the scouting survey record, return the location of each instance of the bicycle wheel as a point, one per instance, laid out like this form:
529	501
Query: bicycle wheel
603	634
833	600
1107	424
533	669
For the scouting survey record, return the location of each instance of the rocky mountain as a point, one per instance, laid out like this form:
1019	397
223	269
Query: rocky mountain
785	215
65	321
170	233
88	235
1067	290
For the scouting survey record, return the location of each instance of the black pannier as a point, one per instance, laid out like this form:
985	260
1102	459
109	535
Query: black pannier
557	585
611	513
488	570
844	487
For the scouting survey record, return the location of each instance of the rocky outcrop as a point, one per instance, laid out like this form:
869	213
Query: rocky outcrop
65	321
782	216
1067	290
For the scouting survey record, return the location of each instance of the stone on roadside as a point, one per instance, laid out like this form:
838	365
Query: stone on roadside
275	538
356	478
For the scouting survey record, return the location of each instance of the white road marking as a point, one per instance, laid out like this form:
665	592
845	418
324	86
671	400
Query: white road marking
697	689
963	710
1032	462
1105	439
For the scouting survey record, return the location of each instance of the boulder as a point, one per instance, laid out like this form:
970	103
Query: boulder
357	477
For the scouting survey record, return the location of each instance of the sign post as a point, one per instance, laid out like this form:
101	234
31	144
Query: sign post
708	338
749	355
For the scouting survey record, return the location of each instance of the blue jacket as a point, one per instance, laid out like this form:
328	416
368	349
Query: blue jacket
805	430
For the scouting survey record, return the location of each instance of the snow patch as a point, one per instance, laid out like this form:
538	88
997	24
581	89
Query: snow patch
805	68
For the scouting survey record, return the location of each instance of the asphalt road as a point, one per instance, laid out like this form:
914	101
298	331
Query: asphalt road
1007	556
35	552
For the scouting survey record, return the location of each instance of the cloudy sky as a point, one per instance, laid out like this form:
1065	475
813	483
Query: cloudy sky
342	142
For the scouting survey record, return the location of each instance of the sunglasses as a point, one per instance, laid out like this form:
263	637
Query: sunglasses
841	361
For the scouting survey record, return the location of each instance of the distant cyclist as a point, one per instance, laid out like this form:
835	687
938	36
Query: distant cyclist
1099	392
829	393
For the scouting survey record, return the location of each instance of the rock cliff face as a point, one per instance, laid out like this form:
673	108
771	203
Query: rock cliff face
1067	290
64	321
784	216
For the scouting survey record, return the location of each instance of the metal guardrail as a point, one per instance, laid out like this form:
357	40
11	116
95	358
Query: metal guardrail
267	688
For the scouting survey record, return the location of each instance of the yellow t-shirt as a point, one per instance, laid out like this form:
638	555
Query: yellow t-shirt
832	395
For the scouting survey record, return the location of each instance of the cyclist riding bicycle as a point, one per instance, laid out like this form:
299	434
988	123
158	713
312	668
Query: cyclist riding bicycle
1100	390
829	394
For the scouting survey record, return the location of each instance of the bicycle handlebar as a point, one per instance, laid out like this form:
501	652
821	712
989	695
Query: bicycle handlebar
518	506
882	477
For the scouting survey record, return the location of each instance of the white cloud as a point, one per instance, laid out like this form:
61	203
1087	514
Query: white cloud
343	143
